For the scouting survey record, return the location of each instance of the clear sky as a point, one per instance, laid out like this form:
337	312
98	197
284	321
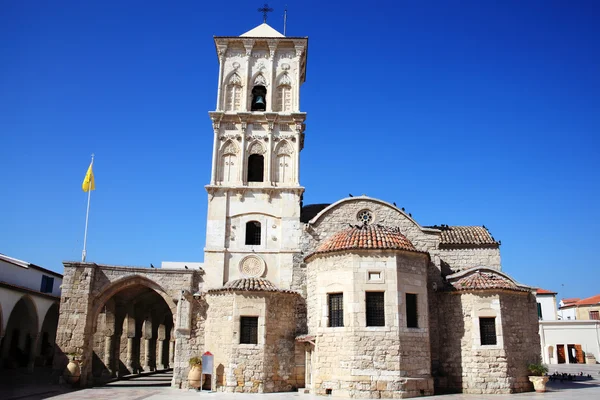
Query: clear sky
463	112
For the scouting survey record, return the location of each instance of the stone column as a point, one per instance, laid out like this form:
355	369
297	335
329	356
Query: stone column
108	354
33	351
171	353
129	363
160	344
147	354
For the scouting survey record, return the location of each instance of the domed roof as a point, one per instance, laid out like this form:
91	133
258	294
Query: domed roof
484	278
250	284
365	237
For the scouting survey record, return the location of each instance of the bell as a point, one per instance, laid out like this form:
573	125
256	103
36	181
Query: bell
259	102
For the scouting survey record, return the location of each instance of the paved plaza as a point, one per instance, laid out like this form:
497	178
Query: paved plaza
155	387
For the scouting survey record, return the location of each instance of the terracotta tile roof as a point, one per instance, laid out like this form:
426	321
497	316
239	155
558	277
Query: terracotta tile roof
570	301
465	236
251	285
590	301
365	237
544	291
483	279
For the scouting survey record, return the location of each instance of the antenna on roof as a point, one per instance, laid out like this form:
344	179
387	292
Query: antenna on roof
284	19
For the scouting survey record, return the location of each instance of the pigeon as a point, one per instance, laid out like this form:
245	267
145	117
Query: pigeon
350	195
394	203
403	209
151	265
185	266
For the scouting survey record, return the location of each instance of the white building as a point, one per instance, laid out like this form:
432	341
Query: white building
565	339
29	301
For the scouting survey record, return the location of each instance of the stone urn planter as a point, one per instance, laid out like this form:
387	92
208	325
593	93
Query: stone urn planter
539	383
72	372
537	376
195	374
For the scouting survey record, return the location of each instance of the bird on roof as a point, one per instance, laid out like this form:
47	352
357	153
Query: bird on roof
350	195
403	209
151	265
409	214
394	203
185	266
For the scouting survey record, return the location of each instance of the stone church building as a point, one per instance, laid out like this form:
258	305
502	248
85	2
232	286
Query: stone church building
353	298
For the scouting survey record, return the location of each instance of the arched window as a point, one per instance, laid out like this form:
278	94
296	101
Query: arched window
227	170
283	167
253	233
284	98
256	168
259	98
233	95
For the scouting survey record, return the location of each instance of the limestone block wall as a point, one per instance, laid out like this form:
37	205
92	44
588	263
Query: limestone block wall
269	365
365	361
468	366
74	332
521	336
460	259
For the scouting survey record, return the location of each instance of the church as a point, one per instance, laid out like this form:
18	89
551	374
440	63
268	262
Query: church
353	299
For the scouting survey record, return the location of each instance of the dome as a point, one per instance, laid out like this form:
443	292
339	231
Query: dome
365	237
250	284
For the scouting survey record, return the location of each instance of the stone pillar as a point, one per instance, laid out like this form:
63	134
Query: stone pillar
74	333
171	352
33	351
147	354
108	354
130	363
160	344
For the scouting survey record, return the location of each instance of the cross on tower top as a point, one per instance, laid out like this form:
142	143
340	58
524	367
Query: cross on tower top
265	9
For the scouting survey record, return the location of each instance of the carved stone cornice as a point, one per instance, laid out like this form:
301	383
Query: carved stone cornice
272	43
248	45
300	46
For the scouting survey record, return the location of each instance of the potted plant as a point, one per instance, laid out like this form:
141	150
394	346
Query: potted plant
72	372
537	375
195	374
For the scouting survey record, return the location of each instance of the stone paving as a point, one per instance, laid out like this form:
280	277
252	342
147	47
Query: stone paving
138	389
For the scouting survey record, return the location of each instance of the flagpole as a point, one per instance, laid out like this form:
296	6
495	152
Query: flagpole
87	214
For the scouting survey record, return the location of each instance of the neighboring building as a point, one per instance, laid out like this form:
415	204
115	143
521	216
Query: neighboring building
567	339
580	309
353	298
546	305
29	301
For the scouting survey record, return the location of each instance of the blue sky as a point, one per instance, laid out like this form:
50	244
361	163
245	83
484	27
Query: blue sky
463	112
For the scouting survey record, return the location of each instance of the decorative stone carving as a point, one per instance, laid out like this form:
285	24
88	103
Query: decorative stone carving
260	80
285	66
252	266
235	79
284	79
284	149
256	148
229	148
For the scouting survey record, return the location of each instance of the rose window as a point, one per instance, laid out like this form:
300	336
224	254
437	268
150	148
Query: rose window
365	216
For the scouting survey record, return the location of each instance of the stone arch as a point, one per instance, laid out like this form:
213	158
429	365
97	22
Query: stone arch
48	334
21	332
228	162
256	147
283	93
229	147
123	283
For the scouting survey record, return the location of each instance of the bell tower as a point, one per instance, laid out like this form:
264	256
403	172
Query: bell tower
253	223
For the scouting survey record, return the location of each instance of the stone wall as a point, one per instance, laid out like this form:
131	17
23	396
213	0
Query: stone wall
469	367
461	259
356	360
269	365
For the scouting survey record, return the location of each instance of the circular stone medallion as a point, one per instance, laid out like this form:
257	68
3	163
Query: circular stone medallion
252	266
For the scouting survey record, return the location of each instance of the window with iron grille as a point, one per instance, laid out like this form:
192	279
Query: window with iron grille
412	318
594	314
336	309
47	284
487	331
375	309
249	330
253	233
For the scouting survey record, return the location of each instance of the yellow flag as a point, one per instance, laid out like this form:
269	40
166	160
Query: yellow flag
88	182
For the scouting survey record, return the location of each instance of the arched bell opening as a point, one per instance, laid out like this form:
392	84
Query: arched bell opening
256	168
128	338
259	98
18	345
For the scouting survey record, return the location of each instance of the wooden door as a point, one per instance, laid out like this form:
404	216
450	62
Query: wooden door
579	354
560	353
